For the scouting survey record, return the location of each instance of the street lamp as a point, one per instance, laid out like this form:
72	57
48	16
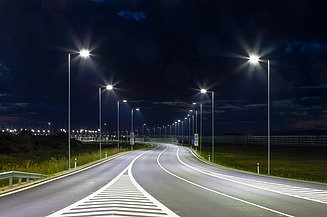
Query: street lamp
124	101
204	91
83	53
255	60
108	87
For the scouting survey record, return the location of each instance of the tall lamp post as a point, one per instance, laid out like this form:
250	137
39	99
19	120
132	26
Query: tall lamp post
84	54
204	91
108	87
132	123
118	136
254	59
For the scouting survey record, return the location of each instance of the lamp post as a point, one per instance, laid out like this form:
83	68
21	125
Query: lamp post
83	53
200	127
175	129
204	91
118	136
108	87
254	59
132	124
143	131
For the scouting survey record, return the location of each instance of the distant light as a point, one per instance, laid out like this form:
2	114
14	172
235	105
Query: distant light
254	59
191	110
179	120
109	87
185	118
175	122
194	103
84	53
137	109
203	90
49	123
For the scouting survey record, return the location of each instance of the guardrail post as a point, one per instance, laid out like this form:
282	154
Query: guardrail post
209	157
75	163
10	182
258	168
19	181
106	154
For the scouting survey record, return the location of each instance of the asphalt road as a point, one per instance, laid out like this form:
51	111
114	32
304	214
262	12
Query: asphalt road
168	180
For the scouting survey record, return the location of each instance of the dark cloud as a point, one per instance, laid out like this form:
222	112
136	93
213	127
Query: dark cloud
138	16
298	47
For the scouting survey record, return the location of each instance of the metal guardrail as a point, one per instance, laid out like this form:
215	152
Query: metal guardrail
20	175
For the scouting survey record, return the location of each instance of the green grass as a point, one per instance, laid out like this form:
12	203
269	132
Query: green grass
289	162
49	161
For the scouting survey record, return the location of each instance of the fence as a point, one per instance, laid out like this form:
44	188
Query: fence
20	175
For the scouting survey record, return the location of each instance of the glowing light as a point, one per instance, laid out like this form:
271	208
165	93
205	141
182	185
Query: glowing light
125	100
203	90
109	87
194	103
84	53
254	59
137	109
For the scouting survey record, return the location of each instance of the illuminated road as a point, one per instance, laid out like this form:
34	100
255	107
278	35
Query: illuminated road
166	181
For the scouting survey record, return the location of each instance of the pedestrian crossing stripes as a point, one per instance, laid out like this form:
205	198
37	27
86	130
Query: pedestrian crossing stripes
123	196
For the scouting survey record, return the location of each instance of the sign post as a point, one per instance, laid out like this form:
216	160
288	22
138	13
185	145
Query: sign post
196	139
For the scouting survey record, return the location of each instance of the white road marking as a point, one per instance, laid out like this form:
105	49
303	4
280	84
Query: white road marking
63	176
289	190
217	192
120	197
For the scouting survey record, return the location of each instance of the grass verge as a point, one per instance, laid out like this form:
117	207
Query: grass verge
290	162
52	161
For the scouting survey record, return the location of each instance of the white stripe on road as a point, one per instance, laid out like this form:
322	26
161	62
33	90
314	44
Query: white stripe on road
289	190
217	192
122	196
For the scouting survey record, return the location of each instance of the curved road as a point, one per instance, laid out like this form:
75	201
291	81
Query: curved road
166	181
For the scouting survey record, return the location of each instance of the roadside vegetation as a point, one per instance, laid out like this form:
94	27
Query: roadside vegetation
49	154
289	162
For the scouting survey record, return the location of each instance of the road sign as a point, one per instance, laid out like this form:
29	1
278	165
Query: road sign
196	139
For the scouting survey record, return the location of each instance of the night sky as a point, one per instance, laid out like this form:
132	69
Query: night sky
158	53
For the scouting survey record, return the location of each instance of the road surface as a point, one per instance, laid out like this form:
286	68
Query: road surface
166	181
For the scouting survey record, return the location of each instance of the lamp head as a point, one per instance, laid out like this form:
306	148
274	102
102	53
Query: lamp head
125	100
137	109
109	87
84	53
203	90
254	59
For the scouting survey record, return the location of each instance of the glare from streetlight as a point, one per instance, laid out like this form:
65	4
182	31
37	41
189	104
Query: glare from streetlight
254	59
179	120
194	103
185	118
84	53
125	100
191	110
137	109
109	87
203	90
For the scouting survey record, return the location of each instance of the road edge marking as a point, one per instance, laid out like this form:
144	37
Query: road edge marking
62	176
253	186
217	192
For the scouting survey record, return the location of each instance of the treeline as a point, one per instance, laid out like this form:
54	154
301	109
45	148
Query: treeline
26	142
